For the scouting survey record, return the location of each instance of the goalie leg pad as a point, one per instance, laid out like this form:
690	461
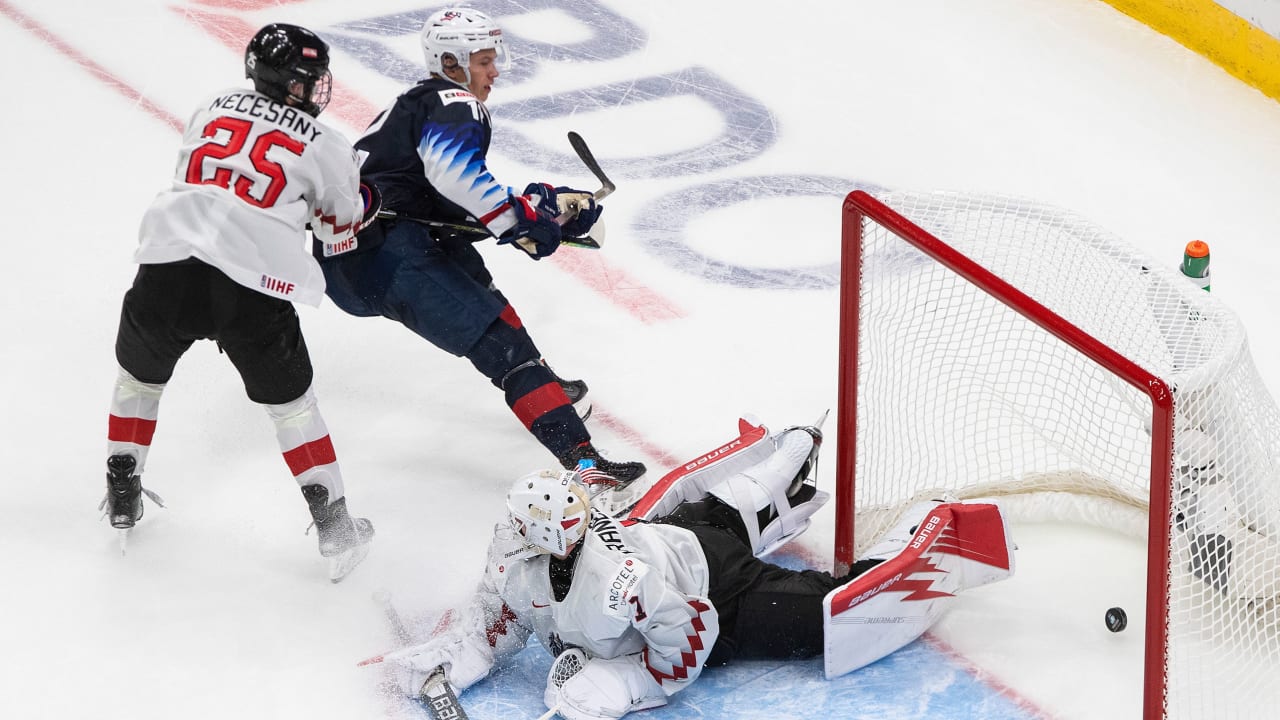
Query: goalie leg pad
689	482
954	546
774	497
606	689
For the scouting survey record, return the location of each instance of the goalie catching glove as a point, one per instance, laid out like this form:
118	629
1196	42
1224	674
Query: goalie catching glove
586	688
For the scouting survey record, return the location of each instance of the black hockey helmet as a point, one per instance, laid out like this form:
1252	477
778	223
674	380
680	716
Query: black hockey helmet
290	64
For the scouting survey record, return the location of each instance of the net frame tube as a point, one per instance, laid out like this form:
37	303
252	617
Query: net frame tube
859	205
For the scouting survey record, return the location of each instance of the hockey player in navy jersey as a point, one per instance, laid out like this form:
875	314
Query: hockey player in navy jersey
426	154
222	254
634	608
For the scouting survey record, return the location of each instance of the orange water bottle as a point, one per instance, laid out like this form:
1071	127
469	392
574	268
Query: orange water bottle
1195	263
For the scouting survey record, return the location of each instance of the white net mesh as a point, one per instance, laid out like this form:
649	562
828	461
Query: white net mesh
958	393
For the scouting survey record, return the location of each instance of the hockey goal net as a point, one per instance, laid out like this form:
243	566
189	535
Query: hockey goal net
992	347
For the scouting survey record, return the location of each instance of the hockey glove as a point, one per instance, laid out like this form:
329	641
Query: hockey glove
608	689
371	196
463	661
575	210
536	231
581	209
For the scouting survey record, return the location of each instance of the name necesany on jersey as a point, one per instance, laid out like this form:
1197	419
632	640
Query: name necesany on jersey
265	171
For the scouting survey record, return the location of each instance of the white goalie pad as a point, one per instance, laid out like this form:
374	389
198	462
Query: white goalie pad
953	547
764	490
691	481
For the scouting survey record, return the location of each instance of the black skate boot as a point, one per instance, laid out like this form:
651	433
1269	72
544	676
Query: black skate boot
343	539
576	390
124	492
617	475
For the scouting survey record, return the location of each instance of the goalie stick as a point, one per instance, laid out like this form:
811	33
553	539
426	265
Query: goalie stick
584	154
438	697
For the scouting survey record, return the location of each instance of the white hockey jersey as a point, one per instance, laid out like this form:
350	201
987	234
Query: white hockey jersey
635	588
251	175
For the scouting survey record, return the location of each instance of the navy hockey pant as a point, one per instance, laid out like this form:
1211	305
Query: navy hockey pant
442	291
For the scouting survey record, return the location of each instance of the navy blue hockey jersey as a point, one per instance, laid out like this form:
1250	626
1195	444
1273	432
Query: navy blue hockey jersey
426	154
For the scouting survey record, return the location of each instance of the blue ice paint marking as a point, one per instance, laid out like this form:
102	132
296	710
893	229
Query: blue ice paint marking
917	682
661	225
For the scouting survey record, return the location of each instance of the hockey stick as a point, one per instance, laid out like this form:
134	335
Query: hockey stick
585	155
383	598
481	233
438	697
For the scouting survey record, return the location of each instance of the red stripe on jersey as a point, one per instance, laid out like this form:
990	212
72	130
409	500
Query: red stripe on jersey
539	402
309	455
138	431
509	316
494	213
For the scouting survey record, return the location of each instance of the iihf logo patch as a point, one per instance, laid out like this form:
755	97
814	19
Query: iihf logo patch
310	52
276	286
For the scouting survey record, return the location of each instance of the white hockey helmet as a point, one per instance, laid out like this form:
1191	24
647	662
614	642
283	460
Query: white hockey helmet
549	508
452	34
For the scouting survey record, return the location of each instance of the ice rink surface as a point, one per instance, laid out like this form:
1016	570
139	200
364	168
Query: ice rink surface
732	131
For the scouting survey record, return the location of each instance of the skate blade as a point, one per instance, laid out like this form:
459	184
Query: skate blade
342	564
617	502
122	536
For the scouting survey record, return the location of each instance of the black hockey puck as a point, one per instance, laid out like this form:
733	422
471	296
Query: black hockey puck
1116	619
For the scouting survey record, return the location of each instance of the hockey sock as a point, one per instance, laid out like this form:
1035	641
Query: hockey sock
304	441
135	405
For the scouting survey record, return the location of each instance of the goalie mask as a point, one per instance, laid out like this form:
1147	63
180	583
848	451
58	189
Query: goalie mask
290	65
549	509
450	36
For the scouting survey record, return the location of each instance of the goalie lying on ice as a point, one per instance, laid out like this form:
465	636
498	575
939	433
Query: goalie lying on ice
634	608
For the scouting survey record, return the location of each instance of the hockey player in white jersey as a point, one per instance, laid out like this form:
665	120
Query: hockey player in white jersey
635	608
221	255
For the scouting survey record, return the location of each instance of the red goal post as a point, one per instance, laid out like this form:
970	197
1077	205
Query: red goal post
991	347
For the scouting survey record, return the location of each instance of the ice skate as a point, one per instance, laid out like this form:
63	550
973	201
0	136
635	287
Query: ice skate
344	540
576	390
123	501
606	474
612	484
